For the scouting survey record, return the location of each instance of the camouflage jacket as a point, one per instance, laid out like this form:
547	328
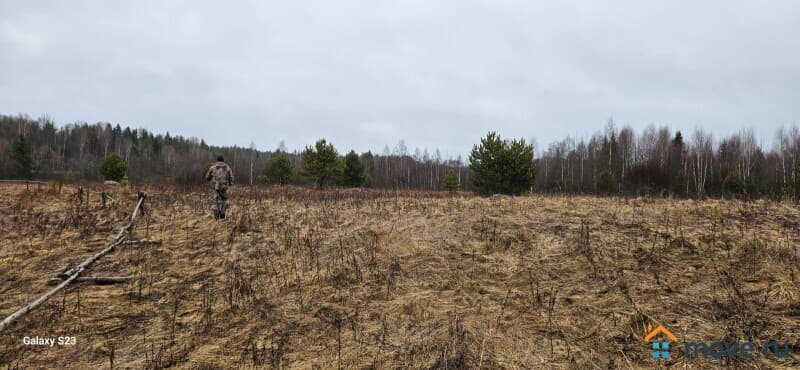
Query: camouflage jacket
220	175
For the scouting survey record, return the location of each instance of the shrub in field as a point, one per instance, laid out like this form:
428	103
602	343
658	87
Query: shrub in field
733	185
69	177
606	183
502	166
113	167
450	181
715	211
278	171
353	173
320	162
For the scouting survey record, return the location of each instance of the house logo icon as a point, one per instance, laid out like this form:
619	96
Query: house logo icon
660	339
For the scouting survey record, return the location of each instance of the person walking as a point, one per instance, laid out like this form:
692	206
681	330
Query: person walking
221	178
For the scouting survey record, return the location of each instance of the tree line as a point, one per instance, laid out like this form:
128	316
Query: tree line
655	161
40	149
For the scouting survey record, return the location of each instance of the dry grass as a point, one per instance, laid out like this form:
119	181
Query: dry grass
297	278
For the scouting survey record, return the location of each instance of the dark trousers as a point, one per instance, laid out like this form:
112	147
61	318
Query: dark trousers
220	200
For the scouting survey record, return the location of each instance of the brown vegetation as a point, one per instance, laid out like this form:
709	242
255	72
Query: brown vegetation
298	278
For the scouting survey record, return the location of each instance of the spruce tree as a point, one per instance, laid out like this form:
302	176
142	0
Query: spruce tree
21	156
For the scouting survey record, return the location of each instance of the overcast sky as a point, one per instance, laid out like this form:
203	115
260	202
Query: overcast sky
365	74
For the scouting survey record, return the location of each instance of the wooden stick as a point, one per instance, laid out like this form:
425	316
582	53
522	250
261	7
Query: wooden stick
117	241
141	241
106	280
72	274
14	316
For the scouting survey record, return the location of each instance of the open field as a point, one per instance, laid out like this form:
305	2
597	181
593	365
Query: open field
298	278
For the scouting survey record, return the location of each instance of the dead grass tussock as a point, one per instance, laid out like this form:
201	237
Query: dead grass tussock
298	278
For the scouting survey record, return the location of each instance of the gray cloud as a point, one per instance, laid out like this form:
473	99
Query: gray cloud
365	74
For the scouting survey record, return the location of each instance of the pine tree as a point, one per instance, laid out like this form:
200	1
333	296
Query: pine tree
504	167
606	183
279	170
320	162
353	175
450	181
113	167
733	185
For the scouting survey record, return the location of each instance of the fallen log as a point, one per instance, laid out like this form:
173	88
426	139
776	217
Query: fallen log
117	241
66	274
72	274
22	311
106	280
142	241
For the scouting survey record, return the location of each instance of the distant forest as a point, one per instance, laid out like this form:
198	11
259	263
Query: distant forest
654	161
658	161
161	157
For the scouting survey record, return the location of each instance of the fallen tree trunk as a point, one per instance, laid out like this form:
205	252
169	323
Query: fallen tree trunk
89	261
142	241
72	274
22	311
117	241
